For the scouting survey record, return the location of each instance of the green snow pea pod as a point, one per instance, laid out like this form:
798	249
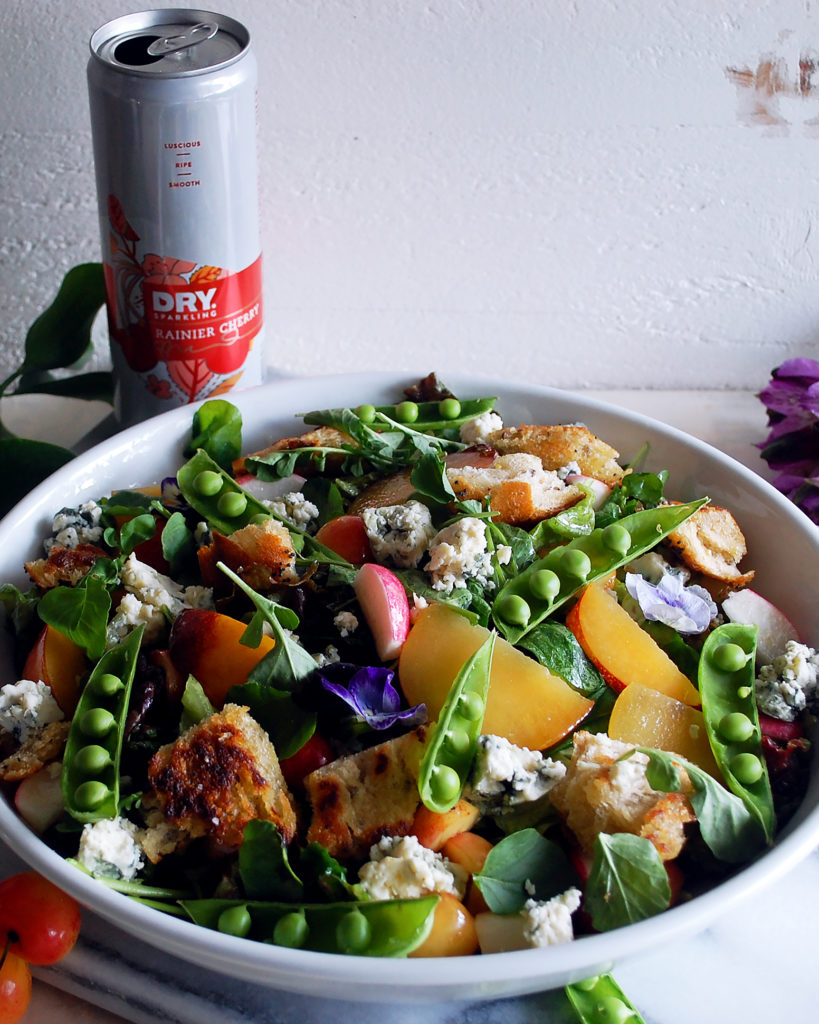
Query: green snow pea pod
391	928
600	1000
449	753
726	683
546	584
431	416
90	774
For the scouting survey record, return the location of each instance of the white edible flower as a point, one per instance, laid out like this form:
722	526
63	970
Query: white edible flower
110	848
401	868
549	923
399	534
458	554
790	684
27	706
478	429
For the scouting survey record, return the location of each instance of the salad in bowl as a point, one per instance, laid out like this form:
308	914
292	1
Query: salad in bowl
434	674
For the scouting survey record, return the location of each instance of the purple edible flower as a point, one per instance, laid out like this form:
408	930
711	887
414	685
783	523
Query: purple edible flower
370	693
686	609
792	445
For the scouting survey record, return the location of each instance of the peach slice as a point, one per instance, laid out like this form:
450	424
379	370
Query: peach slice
59	663
433	829
648	718
621	650
347	536
527	704
384	603
206	645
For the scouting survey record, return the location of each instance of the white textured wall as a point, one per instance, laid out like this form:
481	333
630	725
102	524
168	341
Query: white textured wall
579	193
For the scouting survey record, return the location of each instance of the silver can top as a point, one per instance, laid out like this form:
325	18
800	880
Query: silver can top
169	43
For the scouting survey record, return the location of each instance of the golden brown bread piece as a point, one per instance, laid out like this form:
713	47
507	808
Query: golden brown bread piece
557	446
64	565
218	776
599	793
41	748
361	797
319	437
520	490
711	542
261	553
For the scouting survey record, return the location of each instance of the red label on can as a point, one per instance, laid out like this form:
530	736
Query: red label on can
193	325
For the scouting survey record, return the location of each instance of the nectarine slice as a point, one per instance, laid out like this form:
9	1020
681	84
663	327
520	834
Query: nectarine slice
527	704
206	645
433	828
59	663
621	650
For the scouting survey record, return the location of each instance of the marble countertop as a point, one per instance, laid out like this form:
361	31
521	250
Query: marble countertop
755	964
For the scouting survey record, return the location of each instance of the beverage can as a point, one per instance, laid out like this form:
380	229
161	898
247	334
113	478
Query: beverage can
173	115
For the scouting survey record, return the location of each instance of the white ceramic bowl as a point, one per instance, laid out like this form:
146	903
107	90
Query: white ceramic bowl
783	549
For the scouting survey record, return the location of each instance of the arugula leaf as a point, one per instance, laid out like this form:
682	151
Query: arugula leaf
178	546
555	646
217	428
523	866
576	521
326	877
636	491
264	867
20	606
196	705
132	533
728	828
326	496
627	882
80	612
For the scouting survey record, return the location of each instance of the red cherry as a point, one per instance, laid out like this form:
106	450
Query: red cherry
41	921
15	988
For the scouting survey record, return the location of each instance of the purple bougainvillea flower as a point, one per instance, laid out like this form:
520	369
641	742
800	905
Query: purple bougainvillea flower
791	448
371	695
686	609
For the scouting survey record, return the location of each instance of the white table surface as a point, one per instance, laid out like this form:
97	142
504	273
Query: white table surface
754	965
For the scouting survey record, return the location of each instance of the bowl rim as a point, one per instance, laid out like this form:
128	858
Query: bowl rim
297	970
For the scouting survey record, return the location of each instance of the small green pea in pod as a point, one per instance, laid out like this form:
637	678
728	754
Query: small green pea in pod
388	928
600	1000
726	683
449	753
90	774
531	596
427	417
216	496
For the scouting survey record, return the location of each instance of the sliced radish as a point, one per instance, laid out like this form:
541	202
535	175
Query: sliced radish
774	628
384	603
601	490
39	798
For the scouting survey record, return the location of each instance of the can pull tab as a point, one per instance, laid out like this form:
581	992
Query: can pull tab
195	34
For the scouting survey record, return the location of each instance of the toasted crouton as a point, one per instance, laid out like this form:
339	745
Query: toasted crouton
557	446
261	553
360	798
599	793
64	565
218	776
711	542
41	748
520	490
319	437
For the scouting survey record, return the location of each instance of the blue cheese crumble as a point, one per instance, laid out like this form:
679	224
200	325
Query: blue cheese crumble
399	534
790	684
478	429
401	868
505	775
296	509
27	706
458	554
73	526
152	598
549	923
110	848
346	623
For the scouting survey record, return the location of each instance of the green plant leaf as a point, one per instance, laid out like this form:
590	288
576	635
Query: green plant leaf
627	882
80	612
524	865
97	386
217	428
264	867
27	463
61	334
